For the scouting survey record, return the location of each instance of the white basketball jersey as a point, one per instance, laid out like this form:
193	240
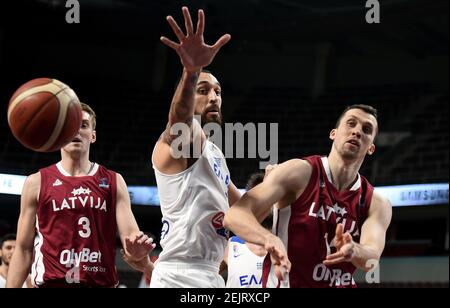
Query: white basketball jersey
244	267
193	204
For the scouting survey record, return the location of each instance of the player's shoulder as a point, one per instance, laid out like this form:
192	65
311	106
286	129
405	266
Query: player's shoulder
297	167
120	181
380	206
381	209
380	201
297	163
32	185
293	174
34	178
49	169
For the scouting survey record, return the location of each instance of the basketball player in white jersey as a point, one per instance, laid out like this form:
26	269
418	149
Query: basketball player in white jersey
194	192
245	259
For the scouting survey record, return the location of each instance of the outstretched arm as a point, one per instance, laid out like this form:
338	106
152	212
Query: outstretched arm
372	240
136	244
192	50
20	265
194	55
283	185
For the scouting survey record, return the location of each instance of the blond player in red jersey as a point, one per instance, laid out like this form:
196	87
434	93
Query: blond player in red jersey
74	208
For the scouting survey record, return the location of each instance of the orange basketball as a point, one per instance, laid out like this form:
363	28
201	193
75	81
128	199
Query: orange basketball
44	114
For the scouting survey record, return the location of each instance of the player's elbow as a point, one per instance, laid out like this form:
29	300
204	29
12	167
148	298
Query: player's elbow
229	219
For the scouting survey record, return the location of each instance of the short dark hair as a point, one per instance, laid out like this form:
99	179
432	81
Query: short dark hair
7	237
202	71
366	108
207	71
254	180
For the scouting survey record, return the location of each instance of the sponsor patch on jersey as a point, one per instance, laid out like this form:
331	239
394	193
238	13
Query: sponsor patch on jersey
236	252
217	222
57	183
103	183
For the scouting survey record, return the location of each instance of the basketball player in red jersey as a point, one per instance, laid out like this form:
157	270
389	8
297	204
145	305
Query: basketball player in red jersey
328	220
74	209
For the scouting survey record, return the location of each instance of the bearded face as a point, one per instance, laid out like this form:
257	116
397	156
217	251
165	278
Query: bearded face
208	99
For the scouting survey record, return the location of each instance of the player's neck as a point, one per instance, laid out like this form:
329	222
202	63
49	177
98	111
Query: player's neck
4	270
76	163
343	173
76	167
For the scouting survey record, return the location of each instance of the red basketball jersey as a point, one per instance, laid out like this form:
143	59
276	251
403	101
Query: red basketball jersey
76	229
308	226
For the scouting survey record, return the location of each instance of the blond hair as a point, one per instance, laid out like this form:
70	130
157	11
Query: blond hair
91	112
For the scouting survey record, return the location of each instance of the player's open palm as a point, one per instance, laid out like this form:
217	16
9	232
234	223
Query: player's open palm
344	245
193	51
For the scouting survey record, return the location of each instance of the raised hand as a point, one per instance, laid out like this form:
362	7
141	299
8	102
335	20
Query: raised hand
344	245
192	50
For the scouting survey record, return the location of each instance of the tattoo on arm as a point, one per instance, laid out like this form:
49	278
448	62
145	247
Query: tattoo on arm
183	104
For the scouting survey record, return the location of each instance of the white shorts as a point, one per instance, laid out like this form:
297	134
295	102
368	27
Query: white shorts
186	275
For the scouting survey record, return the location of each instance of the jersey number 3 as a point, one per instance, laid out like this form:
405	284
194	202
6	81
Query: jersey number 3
85	224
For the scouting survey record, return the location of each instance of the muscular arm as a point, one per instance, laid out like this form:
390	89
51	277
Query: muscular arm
283	185
373	233
20	265
194	55
233	194
372	240
136	245
181	128
126	223
183	103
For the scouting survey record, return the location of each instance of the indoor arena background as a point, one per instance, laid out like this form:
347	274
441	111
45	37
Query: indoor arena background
295	63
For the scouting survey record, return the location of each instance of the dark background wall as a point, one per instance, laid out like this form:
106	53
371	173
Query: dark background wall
296	63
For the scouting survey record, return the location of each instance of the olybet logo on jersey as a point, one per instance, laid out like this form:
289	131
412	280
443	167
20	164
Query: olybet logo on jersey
69	257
